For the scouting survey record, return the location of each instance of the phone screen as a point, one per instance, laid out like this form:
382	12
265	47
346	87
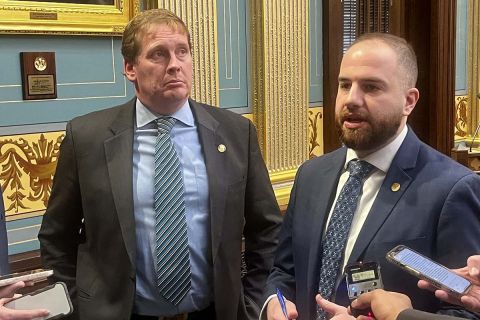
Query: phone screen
432	270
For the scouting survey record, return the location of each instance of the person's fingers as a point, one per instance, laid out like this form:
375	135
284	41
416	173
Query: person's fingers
8	291
444	296
423	284
291	310
470	303
473	264
23	314
329	307
363	301
362	317
274	310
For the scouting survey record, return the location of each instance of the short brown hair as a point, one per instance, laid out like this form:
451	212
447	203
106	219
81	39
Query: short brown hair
407	59
140	25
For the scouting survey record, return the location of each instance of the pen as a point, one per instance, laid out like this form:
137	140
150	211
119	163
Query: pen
281	299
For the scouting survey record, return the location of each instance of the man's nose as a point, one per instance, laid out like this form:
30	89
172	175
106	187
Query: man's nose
173	64
354	96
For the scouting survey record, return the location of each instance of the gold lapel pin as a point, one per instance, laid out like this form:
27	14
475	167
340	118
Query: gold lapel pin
221	148
395	186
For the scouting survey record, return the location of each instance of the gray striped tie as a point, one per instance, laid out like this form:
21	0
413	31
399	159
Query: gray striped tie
172	262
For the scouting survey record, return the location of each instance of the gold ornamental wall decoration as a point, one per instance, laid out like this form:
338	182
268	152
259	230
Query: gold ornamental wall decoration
315	132
461	116
27	166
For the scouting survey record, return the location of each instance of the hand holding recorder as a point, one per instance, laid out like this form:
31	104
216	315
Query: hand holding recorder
471	299
385	305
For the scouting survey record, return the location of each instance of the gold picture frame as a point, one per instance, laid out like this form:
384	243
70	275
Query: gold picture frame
82	17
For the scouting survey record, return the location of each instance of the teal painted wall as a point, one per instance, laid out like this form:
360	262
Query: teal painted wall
315	51
89	78
461	54
232	53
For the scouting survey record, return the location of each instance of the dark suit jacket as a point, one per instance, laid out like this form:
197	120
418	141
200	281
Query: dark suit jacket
4	267
412	314
436	212
93	184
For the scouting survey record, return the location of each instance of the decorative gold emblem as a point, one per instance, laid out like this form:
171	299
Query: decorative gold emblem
395	186
40	63
221	148
27	165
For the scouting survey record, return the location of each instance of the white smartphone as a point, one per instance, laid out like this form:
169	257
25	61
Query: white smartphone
426	269
54	298
32	275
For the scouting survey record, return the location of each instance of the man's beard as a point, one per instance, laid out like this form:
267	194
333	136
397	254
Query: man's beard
368	138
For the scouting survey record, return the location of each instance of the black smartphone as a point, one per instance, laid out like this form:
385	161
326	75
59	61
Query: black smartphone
427	269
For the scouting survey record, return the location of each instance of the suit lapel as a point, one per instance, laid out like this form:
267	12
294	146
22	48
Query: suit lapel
118	154
208	131
388	196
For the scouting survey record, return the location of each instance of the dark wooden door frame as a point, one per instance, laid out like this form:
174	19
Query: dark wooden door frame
429	25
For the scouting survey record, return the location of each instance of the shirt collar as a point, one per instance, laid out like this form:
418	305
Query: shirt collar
382	158
144	116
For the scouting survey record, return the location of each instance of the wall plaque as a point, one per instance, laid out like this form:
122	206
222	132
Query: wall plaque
39	80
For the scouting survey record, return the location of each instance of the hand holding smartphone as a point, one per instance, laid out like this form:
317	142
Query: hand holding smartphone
32	275
426	269
54	298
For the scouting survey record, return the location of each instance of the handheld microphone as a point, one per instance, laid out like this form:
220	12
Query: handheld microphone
476	129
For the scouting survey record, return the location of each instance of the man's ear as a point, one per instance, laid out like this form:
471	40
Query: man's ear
411	98
129	70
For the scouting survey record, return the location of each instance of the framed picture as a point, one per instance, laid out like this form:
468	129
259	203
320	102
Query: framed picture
83	17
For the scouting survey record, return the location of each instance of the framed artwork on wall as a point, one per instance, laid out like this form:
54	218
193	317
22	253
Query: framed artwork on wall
82	17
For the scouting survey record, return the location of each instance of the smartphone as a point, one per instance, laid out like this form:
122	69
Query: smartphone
32	275
54	298
426	269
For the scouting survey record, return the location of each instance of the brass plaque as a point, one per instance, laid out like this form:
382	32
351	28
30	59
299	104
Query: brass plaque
41	84
43	16
38	75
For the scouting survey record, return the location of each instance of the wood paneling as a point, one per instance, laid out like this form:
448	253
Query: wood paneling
332	50
429	25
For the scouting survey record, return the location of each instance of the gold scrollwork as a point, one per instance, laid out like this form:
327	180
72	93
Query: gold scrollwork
461	116
315	136
28	163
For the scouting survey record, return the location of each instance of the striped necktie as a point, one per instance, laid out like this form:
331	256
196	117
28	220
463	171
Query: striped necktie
172	262
339	228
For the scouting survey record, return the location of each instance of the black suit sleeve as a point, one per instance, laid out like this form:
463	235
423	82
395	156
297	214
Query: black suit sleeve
282	275
60	233
262	223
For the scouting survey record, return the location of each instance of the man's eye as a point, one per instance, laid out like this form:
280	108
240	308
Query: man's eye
182	52
344	85
159	54
371	88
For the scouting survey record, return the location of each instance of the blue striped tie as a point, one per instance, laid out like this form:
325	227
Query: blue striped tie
172	262
339	227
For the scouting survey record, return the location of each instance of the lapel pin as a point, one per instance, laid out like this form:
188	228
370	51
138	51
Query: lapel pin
221	148
395	186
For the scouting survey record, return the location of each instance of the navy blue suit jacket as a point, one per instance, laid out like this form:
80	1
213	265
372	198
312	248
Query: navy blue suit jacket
436	212
4	267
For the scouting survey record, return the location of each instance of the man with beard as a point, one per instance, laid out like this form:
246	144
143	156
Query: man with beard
399	191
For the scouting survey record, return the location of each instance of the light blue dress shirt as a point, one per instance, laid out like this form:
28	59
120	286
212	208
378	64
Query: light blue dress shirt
148	300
